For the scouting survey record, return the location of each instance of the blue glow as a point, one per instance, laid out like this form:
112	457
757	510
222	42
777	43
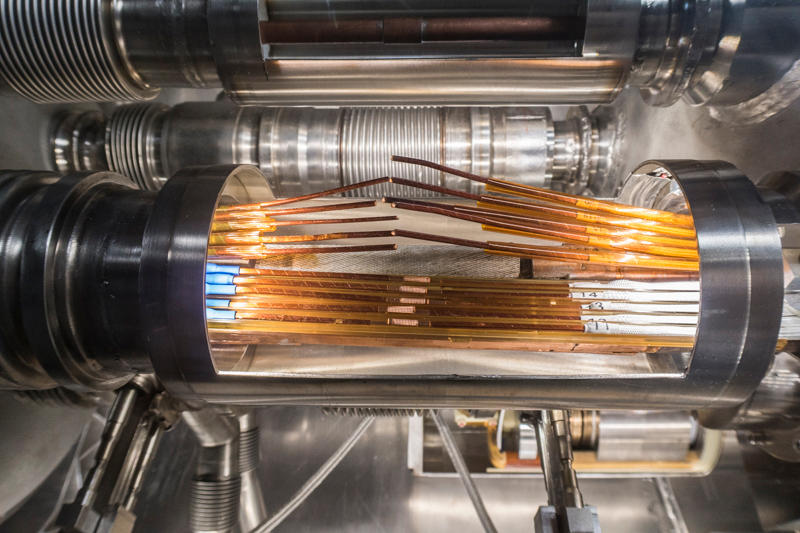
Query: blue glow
213	268
223	290
220	314
219	279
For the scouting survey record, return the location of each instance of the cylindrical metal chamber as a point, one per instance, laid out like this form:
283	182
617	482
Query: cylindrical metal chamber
72	251
302	150
616	436
144	277
399	53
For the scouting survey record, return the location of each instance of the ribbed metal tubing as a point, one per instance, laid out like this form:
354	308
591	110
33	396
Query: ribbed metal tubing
370	136
129	148
58	397
248	450
371	411
214	505
63	51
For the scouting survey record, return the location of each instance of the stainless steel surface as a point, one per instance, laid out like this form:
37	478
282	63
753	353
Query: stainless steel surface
528	447
437	82
316	479
125	452
735	319
216	485
302	150
34	438
555	451
671	507
644	436
371	490
463	472
54	51
715	52
775	404
252	508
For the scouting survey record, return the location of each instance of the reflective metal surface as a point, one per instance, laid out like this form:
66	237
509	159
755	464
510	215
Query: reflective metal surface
303	150
35	439
431	82
372	490
653	436
723	53
55	51
555	451
167	44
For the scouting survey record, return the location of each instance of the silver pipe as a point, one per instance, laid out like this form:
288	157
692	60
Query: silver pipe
124	454
400	53
463	472
316	479
216	484
302	150
150	440
644	436
459	82
252	508
157	263
58	51
555	451
671	506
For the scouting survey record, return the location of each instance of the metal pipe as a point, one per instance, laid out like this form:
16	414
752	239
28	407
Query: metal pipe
463	472
252	508
399	53
216	484
316	479
151	250
381	82
124	454
302	150
644	436
555	451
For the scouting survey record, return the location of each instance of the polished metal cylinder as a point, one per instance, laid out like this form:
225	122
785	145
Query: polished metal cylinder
252	508
774	406
216	485
303	150
66	51
54	304
555	452
72	248
740	313
644	436
632	435
401	53
138	261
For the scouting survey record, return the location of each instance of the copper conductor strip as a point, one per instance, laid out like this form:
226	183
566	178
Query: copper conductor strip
545	231
279	223
558	197
256	252
295	199
559	253
316	209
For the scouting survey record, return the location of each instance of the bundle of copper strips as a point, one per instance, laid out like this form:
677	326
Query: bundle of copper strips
588	230
256	305
270	306
245	231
